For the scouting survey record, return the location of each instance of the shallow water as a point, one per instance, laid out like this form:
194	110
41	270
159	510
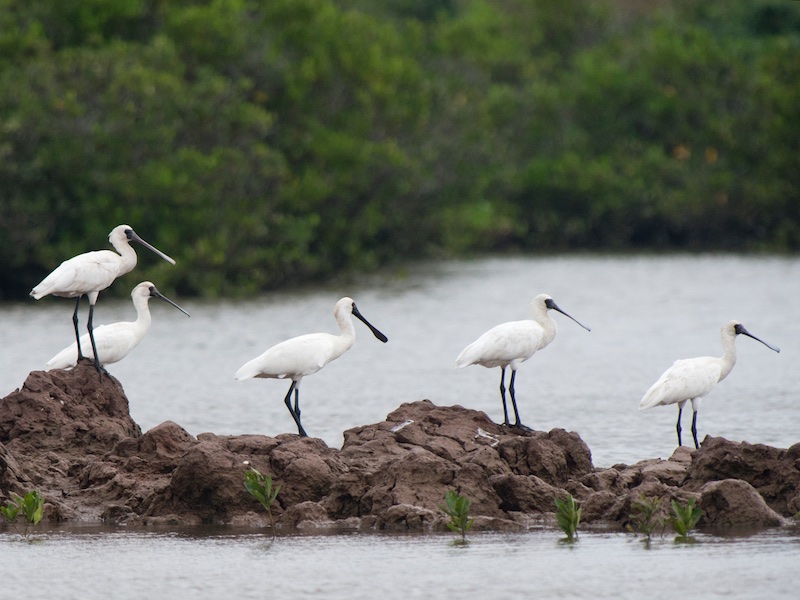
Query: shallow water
89	563
644	311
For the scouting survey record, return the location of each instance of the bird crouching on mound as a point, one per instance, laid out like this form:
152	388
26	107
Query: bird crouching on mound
115	341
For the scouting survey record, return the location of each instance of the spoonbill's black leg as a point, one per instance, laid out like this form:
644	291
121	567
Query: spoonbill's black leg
75	324
678	426
514	402
503	395
97	364
288	401
694	430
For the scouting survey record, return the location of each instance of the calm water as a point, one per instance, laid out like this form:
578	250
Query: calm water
92	564
644	312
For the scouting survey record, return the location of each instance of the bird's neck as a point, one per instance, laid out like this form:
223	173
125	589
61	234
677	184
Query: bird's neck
729	356
549	327
347	338
143	318
128	256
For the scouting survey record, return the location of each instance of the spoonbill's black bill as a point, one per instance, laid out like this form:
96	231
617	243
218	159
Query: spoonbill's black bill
511	344
115	341
694	378
90	273
304	355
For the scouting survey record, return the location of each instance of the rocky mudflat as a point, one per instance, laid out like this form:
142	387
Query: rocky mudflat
69	434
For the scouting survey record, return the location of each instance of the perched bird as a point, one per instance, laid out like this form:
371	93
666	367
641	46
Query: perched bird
90	273
115	341
693	378
511	344
306	354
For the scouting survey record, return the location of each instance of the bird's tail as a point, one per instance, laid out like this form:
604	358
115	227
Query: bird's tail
246	371
467	357
66	359
649	400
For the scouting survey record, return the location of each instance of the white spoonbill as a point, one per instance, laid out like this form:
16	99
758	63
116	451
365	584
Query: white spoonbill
511	344
306	354
90	273
115	341
693	378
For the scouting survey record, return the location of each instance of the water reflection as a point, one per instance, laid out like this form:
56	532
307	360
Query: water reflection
204	562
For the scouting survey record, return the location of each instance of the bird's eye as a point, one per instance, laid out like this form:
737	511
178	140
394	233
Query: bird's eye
129	234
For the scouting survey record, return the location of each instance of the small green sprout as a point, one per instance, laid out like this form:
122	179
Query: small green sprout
262	489
568	516
457	508
684	518
30	506
645	518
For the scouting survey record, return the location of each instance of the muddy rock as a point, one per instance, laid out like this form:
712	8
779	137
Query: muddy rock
735	503
69	434
773	472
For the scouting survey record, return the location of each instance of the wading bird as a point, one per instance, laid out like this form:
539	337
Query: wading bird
306	354
693	378
511	344
90	273
115	341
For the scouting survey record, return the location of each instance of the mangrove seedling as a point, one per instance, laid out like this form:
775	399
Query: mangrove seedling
645	517
457	508
568	516
684	518
262	489
30	506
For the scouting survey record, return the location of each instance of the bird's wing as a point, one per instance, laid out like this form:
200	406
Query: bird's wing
113	342
684	380
514	341
80	274
296	357
96	270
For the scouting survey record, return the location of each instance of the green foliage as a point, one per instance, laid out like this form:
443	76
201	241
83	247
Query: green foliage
264	144
568	516
30	506
457	508
262	489
685	517
646	516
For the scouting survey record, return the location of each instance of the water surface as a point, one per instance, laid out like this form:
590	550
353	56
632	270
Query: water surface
644	311
98	563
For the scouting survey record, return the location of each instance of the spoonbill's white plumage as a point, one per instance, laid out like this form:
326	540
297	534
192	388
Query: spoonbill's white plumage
511	344
115	341
693	378
306	354
90	273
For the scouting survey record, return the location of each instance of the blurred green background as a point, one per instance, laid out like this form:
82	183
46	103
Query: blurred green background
269	143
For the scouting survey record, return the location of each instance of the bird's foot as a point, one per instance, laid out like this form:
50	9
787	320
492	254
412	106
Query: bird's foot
101	370
522	427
